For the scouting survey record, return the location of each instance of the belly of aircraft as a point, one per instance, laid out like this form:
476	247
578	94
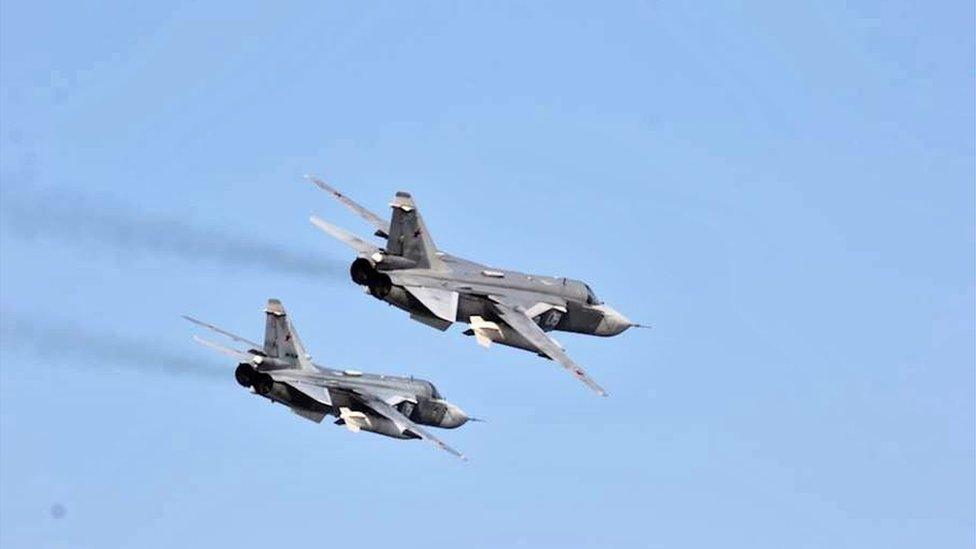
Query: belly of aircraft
470	305
579	319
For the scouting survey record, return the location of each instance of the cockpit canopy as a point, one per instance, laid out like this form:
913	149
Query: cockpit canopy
591	298
434	393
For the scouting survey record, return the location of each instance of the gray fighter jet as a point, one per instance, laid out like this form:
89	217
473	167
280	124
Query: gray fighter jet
438	289
282	372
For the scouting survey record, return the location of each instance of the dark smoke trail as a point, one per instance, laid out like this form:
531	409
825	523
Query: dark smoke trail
51	339
62	215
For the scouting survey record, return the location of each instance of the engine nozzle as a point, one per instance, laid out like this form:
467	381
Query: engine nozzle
365	274
244	374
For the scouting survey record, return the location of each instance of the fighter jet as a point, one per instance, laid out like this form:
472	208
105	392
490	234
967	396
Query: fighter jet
282	372
438	289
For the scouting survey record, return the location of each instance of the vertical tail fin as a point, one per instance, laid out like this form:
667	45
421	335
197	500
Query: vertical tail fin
280	338
408	234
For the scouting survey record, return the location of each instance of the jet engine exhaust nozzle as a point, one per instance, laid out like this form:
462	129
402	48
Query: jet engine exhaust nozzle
365	274
244	374
361	270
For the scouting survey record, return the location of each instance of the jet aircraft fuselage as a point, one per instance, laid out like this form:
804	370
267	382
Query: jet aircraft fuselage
502	306
584	313
281	371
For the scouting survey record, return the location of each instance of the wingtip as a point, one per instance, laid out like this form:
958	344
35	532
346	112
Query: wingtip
192	320
315	180
318	182
600	391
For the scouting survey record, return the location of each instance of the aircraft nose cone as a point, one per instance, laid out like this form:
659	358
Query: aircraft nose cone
454	417
613	323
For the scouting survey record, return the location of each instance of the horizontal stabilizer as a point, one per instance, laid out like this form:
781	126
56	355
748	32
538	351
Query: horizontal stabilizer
310	415
433	322
364	248
315	392
443	303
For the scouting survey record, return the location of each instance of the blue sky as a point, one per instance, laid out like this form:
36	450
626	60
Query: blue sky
785	192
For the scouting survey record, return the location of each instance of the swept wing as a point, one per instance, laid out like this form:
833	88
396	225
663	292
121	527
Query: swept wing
379	406
223	332
241	356
515	315
382	227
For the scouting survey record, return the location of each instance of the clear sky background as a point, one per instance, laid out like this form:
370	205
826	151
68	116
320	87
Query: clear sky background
786	192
